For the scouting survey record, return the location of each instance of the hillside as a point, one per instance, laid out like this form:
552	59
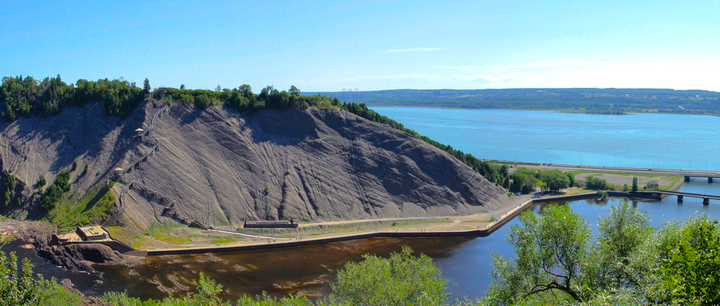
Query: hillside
221	167
600	100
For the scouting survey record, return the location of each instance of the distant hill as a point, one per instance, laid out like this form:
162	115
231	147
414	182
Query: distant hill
571	99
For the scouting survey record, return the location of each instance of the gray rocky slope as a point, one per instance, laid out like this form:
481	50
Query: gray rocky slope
219	167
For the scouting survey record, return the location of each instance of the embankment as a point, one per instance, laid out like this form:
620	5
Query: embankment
273	244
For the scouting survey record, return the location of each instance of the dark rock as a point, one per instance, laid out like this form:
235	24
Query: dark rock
93	252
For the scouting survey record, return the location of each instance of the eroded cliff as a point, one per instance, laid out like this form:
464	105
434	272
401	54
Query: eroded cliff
220	167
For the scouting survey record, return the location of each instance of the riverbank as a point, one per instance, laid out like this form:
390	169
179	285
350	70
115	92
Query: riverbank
479	225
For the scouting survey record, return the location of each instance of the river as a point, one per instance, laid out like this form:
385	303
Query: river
465	261
636	140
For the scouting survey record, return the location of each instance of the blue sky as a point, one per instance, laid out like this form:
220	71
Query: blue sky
369	45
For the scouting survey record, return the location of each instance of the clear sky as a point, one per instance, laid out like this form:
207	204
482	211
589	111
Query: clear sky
369	45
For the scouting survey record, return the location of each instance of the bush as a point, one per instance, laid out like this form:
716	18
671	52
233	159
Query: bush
402	279
19	286
596	183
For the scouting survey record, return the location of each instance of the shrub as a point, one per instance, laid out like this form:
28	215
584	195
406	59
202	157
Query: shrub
402	279
41	181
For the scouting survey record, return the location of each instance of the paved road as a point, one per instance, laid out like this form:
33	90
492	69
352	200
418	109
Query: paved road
694	173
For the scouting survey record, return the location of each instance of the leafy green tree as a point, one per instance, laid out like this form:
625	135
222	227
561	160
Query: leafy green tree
549	253
57	189
402	279
202	102
635	184
690	272
146	86
571	179
614	262
592	182
41	181
555	180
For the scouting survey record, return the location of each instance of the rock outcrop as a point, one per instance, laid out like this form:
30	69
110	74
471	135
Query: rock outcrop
218	167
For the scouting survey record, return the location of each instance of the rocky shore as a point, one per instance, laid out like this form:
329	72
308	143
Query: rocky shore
74	257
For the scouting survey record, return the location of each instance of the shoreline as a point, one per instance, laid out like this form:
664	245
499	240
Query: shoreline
513	210
562	111
476	225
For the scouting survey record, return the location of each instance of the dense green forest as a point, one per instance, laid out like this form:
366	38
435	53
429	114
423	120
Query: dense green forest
587	100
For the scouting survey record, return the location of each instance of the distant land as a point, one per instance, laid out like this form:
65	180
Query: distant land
586	100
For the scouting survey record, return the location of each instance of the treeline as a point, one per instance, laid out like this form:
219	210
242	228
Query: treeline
524	180
243	99
25	97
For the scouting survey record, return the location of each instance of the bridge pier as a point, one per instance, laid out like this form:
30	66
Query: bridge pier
709	179
680	199
706	201
687	178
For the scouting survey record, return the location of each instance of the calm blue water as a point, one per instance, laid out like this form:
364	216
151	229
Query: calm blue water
470	266
636	140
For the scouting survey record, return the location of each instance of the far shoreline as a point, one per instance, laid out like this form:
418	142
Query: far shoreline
559	111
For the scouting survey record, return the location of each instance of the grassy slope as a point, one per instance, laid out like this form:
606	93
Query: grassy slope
75	210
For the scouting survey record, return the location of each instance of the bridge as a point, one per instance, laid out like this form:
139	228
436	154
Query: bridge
657	194
708	175
687	174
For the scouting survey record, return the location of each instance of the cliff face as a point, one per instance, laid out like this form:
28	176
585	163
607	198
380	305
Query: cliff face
220	167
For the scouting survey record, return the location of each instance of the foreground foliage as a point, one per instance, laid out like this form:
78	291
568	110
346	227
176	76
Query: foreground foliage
398	280
629	262
20	286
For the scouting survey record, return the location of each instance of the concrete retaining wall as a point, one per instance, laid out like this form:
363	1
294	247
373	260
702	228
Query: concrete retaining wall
504	219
